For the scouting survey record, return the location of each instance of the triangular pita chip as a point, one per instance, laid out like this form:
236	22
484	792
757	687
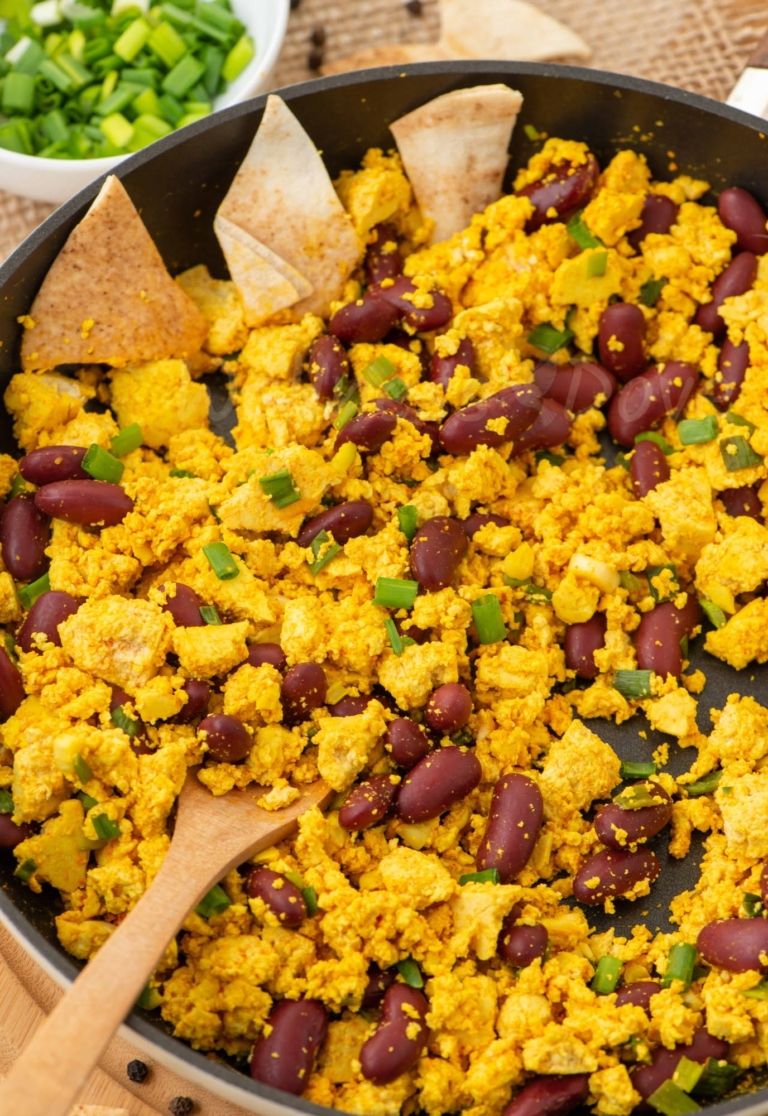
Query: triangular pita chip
283	198
506	29
455	151
260	276
108	297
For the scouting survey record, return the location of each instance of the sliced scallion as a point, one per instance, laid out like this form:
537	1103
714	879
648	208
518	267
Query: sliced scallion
87	801
149	999
579	231
101	465
631	769
310	899
395	639
696	432
345	414
6	802
650	291
105	828
719	1077
739	420
395	592
633	683
25	870
379	371
396	388
324	550
548	339
597	264
82	769
408	518
279	487
28	594
488	875
606	975
488	618
737	454
127	440
657	439
670	1100
121	720
706	785
713	613
221	560
682	961
215	902
210	614
410	972
752	904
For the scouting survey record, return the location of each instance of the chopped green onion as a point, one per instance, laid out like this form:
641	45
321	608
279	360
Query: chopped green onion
737	454
18	485
682	961
222	562
637	798
488	875
488	618
752	904
210	614
25	870
657	439
28	594
183	76
346	413
149	999
555	459
279	487
696	432
396	388
670	1100
18	93
532	590
713	613
408	518
238	58
121	720
739	420
653	572
322	556
606	975
549	339
396	641
82	769
628	581
87	801
410	972
117	130
637	770
650	291
128	440
133	39
101	465
633	683
213	903
182	473
759	992
105	828
6	802
719	1077
579	231
310	898
167	44
706	785
379	371
597	265
532	132
395	592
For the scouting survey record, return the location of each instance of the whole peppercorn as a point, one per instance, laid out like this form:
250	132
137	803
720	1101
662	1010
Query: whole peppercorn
181	1106
415	7
137	1071
318	36
315	58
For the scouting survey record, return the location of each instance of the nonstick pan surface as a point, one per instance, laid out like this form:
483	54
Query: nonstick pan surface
177	185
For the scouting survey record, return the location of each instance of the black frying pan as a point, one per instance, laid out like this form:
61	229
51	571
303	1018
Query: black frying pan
178	183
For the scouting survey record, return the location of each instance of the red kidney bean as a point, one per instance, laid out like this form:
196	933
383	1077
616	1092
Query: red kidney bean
564	188
475	522
227	737
285	1057
658	215
468	428
742	501
281	896
53	463
551	427
407	742
437	548
184	606
638	993
514	822
303	689
378	982
49	610
610	874
645	400
744	215
431	787
383	258
350	706
657	637
368	432
732	365
271	653
398	294
448	707
576	386
327	365
624	324
402	410
368	803
520	945
393	1049
735	944
11	686
737	278
581	642
620	829
367	319
442	368
11	834
550	1096
648	468
24	534
90	503
344	521
198	694
647	1079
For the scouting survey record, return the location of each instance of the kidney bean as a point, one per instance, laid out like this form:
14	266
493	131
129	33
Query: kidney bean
344	521
563	189
327	364
285	1057
576	386
407	742
442	368
383	258
448	707
24	534
520	945
744	215
658	215
638	993
49	610
368	432
11	686
281	896
550	1096
622	324
647	1079
735	944
90	503
271	653
184	606
350	706
402	410
514	822
551	427
53	463
378	982
737	278
227	737
424	318
368	803
610	874
645	400
475	522
657	637
468	428
393	1048
732	365
648	468
742	501
367	319
619	828
198	694
437	548
303	689
581	642
431	787
11	834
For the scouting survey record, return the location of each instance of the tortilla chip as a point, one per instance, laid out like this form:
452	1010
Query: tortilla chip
282	197
108	297
265	282
454	150
506	29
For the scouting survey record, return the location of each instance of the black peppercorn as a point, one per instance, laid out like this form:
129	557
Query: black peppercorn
295	4
181	1106
137	1071
318	36
315	59
415	7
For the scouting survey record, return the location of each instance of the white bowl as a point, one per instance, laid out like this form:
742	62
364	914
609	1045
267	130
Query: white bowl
55	180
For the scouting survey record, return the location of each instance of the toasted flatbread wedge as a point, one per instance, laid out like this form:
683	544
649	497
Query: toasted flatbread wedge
265	282
108	297
282	197
455	151
506	29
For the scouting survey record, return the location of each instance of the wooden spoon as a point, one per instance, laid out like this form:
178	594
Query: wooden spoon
211	836
497	29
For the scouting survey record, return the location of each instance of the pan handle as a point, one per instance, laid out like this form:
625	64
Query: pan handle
750	92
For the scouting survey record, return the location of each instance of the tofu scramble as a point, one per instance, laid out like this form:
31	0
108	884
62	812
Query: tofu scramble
412	573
